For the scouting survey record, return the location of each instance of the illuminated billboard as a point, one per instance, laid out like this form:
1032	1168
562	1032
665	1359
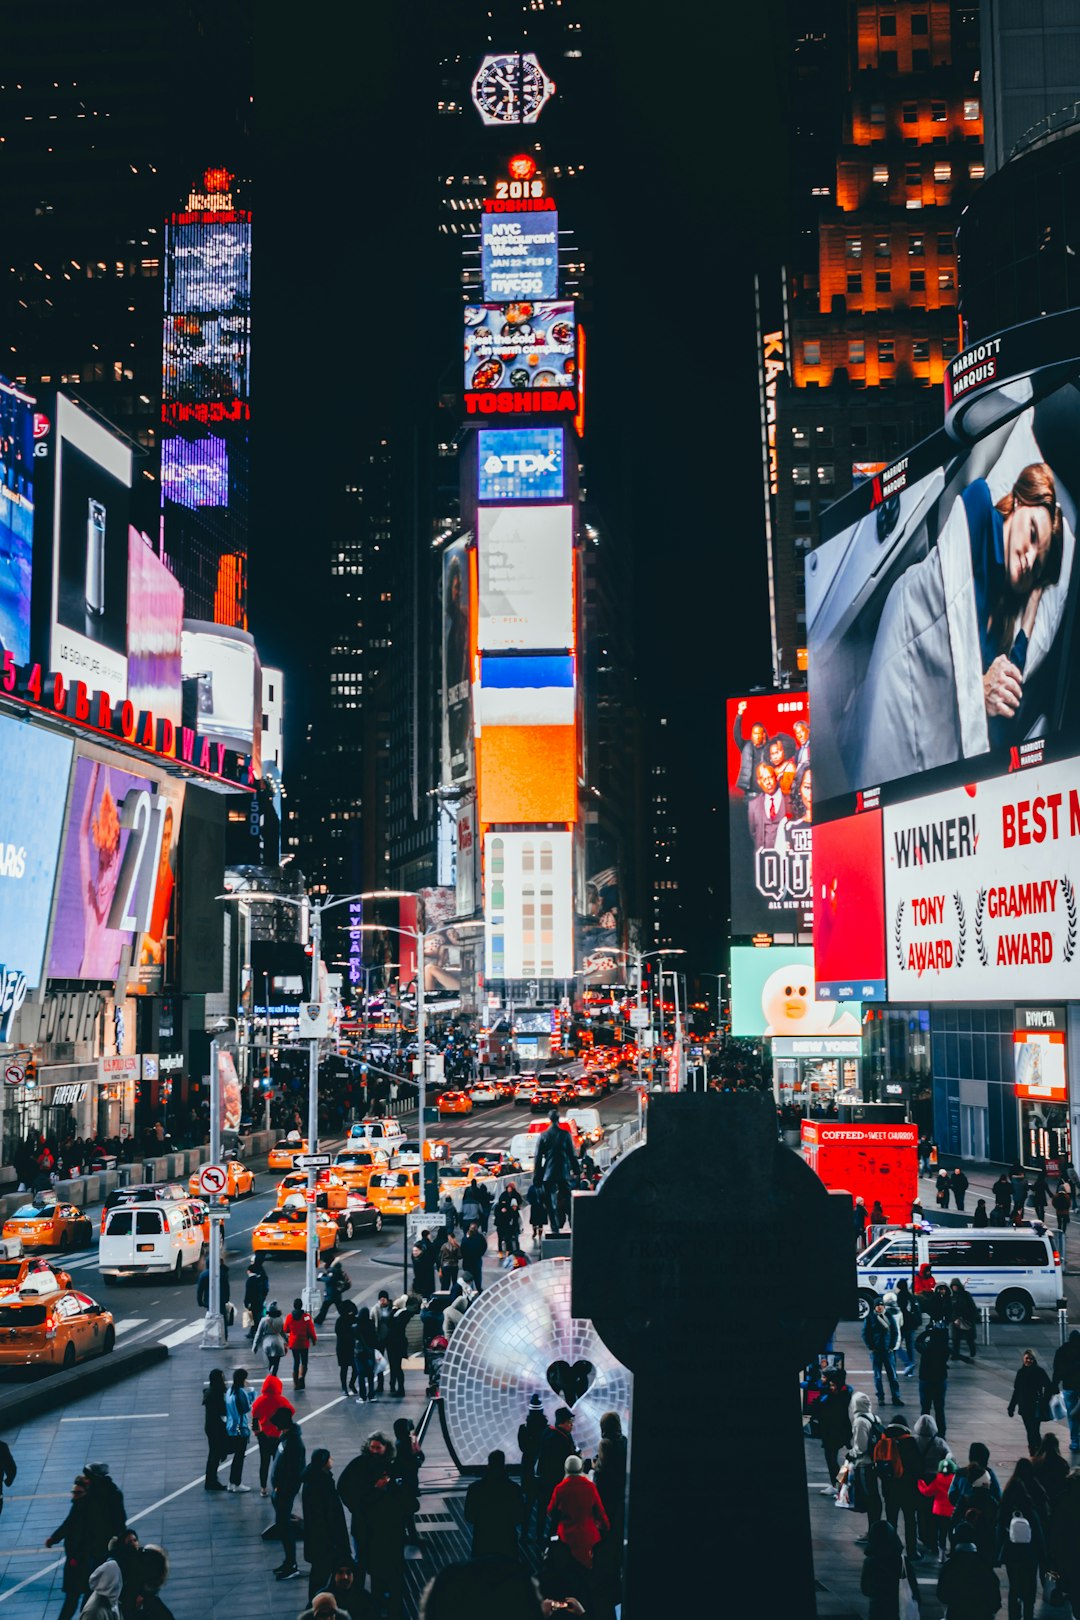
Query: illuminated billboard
154	939
520	346
519	256
457	742
527	690
527	774
16	519
520	464
1039	1064
942	618
526	578
195	472
90	551
528	905
772	994
155	622
770	805
222	685
207	343
981	887
34	769
108	875
849	909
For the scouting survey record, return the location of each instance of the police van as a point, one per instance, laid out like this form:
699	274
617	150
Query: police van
1014	1270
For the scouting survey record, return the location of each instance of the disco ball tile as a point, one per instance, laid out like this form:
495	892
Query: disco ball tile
499	1356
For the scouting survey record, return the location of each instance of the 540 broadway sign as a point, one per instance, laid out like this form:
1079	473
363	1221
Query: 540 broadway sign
982	890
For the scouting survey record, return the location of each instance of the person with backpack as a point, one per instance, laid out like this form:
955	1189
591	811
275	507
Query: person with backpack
933	1347
1020	1549
865	1433
1031	1397
896	1464
238	1428
935	1492
978	1464
335	1285
967	1586
883	1567
881	1335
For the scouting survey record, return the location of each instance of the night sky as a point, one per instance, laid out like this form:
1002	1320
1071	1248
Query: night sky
683	128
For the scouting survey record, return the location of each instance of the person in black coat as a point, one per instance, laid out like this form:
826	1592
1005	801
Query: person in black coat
217	1437
882	1569
423	1266
286	1478
362	1481
933	1347
833	1420
76	1532
555	1168
967	1585
8	1470
529	1436
256	1288
345	1346
959	1183
397	1344
963	1315
555	1446
1031	1393
108	1515
473	1250
326	1535
495	1507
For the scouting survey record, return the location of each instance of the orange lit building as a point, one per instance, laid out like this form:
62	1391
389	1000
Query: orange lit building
872	324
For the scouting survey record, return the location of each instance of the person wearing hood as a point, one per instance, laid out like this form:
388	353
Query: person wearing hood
265	1409
495	1507
1031	1393
967	1584
924	1279
1024	1494
108	1515
1064	1554
1065	1374
106	1584
865	1433
934	1500
932	1452
933	1347
833	1415
529	1437
977	1510
270	1337
286	1479
881	1336
963	1315
978	1463
877	1214
352	1600
882	1568
1050	1468
326	1535
980	1217
901	1487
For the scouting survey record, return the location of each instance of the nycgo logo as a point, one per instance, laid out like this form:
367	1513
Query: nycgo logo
522	462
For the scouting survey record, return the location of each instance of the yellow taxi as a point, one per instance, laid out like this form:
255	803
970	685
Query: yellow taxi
455	1102
284	1230
395	1192
44	1223
44	1323
354	1166
14	1272
328	1182
283	1153
239	1183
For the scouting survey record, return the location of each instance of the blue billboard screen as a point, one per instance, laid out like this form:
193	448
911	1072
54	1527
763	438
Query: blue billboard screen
519	256
520	464
16	520
34	768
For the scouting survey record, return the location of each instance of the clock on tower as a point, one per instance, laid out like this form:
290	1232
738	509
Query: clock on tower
511	89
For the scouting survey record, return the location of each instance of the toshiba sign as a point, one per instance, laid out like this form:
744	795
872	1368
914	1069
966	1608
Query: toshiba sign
981	890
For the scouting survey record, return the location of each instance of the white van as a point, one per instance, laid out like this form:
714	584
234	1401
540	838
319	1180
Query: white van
1014	1270
152	1239
381	1133
588	1123
523	1149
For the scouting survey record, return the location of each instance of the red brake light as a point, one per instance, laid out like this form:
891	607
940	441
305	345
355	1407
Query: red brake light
50	1327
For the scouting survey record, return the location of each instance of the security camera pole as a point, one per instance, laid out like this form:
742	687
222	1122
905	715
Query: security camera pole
213	1334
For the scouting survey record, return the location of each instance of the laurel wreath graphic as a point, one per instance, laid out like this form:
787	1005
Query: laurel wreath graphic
898	943
980	943
1069	950
961	941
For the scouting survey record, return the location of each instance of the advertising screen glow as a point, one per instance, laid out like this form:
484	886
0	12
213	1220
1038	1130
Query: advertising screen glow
34	768
1039	1062
770	811
519	256
528	773
16	519
457	742
195	472
207	346
528	905
849	909
155	621
520	346
222	666
772	993
526	578
520	464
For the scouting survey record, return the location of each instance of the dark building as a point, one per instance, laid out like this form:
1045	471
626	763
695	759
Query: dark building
1030	71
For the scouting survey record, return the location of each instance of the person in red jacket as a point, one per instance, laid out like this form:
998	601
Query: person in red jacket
576	1513
300	1335
266	1408
942	1511
924	1279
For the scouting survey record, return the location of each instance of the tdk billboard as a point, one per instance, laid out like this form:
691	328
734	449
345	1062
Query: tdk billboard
520	464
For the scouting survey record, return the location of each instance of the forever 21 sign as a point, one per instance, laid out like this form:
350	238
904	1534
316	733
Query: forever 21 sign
13	989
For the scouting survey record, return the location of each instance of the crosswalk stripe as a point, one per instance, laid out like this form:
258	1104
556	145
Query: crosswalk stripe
182	1335
127	1323
151	1330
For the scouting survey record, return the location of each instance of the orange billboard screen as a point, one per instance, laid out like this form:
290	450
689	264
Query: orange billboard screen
528	774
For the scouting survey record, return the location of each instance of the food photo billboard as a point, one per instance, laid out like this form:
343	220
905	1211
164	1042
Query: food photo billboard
770	812
520	346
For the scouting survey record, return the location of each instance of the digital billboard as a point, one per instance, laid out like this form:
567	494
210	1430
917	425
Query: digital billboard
457	741
519	256
600	958
154	939
520	464
981	889
195	472
207	343
772	994
526	578
527	774
34	769
442	942
770	810
941	614
849	909
91	494
1039	1065
108	871
155	622
526	690
528	905
222	681
16	519
519	346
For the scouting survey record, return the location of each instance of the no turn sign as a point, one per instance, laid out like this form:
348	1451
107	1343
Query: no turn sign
14	1075
213	1179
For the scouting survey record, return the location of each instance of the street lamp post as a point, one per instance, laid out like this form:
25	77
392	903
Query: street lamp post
213	1333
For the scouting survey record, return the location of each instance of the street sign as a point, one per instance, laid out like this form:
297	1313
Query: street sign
14	1075
639	1017
213	1179
417	1221
312	1161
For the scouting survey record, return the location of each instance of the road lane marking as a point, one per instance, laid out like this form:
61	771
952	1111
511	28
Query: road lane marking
182	1335
112	1417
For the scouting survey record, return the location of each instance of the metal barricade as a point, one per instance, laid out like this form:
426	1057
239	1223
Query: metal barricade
984	1313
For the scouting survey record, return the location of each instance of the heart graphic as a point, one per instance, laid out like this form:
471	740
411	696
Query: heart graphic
571	1382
